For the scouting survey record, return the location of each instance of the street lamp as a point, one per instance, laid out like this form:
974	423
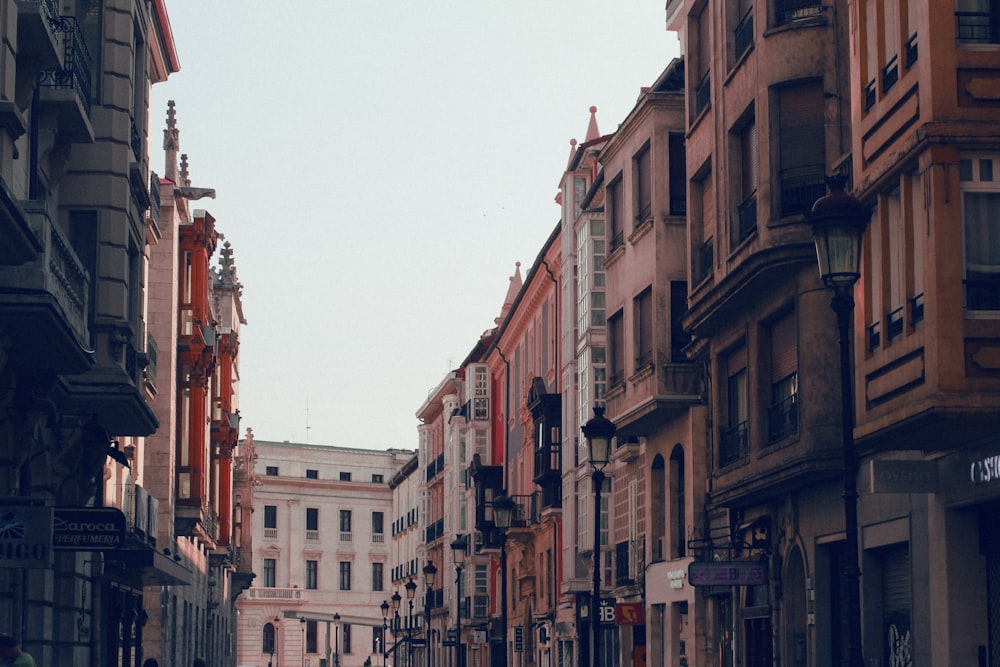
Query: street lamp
598	432
395	625
430	573
274	643
385	625
503	514
411	590
302	625
336	640
459	550
838	224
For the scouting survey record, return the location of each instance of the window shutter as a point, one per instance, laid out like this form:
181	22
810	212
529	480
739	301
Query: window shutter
784	348
800	119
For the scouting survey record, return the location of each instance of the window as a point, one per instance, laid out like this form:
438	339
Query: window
743	33
746	210
268	645
378	576
378	640
890	44
481	587
642	310
311	637
378	523
312	519
622	560
703	225
377	479
643	186
345	575
616	215
677	174
345	477
679	338
271	471
783	415
801	146
702	65
733	439
345	521
786	11
616	342
312	474
980	209
312	574
977	21
269	572
270	522
678	504
345	638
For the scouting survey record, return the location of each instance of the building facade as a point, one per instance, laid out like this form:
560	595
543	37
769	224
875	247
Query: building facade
322	554
79	215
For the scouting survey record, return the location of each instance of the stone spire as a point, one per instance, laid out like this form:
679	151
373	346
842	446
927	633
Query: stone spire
171	143
572	151
592	131
185	181
226	275
512	291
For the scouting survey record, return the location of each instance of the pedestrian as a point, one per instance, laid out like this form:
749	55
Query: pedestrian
11	653
199	662
151	662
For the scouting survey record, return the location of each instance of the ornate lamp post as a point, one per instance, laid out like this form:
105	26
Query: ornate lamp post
336	640
430	573
598	431
411	590
274	644
459	550
302	625
385	625
838	222
395	625
503	514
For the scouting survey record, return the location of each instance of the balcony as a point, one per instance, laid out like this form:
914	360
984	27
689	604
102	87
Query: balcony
194	521
746	216
270	533
702	94
36	39
782	420
977	27
786	11
733	444
801	187
706	258
273	594
657	392
66	89
44	303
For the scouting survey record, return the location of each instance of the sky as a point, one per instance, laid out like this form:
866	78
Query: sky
380	167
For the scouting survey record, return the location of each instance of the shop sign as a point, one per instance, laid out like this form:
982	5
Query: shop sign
630	613
986	469
25	536
87	528
903	476
519	639
749	573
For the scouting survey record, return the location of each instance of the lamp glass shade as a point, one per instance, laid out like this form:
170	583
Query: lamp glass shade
411	589
395	600
503	511
430	573
598	431
385	609
838	251
459	549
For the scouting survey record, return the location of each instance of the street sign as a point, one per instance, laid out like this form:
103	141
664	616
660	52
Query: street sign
87	528
733	573
25	536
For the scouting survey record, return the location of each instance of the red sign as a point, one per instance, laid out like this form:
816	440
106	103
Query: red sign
630	613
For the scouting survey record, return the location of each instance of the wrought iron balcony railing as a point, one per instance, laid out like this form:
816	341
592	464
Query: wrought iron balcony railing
75	71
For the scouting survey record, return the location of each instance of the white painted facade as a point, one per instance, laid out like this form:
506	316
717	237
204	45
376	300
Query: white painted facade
322	525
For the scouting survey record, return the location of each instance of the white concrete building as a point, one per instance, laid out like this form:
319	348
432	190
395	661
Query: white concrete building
321	524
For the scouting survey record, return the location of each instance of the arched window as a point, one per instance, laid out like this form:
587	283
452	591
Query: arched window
678	508
658	505
268	645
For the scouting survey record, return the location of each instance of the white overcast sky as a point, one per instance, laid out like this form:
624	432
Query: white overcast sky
381	165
